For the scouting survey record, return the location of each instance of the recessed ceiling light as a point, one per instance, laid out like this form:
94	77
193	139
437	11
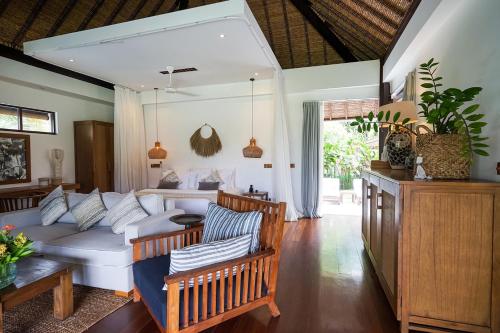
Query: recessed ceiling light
71	60
222	35
256	74
142	86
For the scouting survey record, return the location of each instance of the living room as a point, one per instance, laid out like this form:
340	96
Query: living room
142	142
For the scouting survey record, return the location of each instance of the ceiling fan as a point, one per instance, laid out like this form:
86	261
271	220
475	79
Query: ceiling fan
170	89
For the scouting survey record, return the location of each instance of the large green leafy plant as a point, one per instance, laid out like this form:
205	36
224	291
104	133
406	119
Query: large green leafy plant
445	111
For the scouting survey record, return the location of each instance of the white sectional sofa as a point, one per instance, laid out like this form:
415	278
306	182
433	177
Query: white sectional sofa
102	258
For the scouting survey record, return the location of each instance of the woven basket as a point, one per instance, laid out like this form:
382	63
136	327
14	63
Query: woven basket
442	154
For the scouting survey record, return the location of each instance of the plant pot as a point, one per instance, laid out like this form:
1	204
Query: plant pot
8	274
443	154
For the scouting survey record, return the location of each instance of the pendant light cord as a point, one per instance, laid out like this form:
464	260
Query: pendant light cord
252	79
156	111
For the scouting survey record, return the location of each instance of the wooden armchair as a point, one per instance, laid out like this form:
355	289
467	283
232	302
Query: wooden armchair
209	303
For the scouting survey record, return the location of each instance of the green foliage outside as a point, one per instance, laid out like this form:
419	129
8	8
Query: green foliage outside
346	152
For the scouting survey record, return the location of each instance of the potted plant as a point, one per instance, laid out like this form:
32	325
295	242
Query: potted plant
12	249
455	135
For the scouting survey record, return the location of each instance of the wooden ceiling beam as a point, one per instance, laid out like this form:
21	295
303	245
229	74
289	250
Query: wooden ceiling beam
3	5
60	19
308	44
183	4
156	8
368	49
137	10
287	30
304	7
268	23
396	10
29	21
115	12
413	8
90	15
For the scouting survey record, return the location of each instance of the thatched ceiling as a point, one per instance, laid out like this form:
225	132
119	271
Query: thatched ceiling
301	33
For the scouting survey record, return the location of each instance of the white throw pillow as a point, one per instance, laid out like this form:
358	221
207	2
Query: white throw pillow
125	212
72	199
53	206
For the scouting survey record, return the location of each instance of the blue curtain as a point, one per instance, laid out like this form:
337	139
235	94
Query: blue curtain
311	159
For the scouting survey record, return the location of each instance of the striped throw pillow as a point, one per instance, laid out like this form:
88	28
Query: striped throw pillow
125	212
201	255
53	206
222	223
89	211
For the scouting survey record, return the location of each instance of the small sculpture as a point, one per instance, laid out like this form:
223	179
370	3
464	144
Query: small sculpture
56	159
420	173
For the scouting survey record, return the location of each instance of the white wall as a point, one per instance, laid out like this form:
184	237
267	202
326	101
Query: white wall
464	37
18	89
227	108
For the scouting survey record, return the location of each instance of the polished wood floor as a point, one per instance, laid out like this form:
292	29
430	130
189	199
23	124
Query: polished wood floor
326	284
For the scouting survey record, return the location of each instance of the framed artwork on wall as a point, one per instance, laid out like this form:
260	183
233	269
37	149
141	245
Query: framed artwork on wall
15	159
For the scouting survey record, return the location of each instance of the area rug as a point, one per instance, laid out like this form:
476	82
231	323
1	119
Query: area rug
37	316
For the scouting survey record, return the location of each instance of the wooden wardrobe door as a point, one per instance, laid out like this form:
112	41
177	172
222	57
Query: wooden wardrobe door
103	154
84	156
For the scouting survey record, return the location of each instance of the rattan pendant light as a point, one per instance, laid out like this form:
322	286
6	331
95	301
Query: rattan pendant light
252	150
157	152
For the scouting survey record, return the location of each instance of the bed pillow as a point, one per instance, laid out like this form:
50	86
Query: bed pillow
200	255
89	211
53	206
208	186
125	212
222	223
168	185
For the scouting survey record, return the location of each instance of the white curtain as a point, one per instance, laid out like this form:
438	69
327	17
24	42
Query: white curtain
130	145
281	157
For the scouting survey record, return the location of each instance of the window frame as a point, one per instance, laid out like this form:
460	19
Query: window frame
52	115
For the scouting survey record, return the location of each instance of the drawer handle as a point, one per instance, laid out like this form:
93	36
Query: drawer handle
380	202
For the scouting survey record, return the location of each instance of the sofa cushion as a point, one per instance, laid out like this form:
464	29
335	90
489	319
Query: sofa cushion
89	211
96	246
40	234
125	212
222	223
53	206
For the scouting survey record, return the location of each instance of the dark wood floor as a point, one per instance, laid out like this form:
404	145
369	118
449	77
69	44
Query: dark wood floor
326	284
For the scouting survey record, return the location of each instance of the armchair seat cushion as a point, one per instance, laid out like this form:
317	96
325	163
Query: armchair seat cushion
149	279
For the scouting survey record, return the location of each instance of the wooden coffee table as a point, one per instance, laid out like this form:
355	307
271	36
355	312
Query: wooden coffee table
35	276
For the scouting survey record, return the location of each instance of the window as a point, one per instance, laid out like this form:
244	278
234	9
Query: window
19	119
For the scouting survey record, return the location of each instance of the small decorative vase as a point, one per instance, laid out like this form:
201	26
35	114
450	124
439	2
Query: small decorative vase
398	144
8	274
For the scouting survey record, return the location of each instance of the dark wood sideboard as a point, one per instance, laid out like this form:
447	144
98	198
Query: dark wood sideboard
94	155
435	247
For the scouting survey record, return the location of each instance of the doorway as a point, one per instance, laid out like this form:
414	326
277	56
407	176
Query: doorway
346	153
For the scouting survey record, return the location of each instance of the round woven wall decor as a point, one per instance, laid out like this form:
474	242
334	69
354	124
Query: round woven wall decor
205	146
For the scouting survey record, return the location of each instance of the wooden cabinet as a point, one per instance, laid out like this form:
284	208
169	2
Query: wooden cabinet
435	246
94	155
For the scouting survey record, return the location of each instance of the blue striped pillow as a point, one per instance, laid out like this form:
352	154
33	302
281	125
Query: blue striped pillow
200	255
222	223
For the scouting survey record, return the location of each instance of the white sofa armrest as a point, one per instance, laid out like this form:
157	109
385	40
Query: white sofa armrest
21	218
152	225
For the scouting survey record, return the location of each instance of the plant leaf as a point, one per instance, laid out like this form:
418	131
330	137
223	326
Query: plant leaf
479	124
388	115
370	116
479	144
406	121
426	85
380	115
475	117
481	152
396	116
354	123
360	119
471	109
369	126
375	127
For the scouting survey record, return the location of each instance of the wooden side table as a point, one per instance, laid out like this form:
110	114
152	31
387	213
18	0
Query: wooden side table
35	276
262	195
